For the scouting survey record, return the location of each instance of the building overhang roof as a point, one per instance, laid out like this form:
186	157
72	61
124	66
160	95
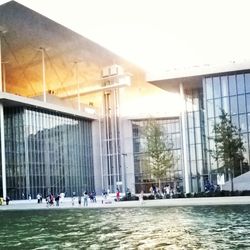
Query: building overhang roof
11	100
192	77
69	57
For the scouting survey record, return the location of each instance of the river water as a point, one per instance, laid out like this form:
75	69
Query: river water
210	227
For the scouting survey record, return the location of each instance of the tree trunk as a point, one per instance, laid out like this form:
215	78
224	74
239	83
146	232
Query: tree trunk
232	179
159	185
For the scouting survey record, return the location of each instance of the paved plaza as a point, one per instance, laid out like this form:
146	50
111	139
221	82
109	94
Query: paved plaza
111	203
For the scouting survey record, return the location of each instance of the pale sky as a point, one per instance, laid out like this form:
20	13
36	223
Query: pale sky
158	34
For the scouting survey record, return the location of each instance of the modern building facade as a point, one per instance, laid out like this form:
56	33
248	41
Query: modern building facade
208	91
72	113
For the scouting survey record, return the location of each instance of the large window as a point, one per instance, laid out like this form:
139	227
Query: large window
143	177
235	100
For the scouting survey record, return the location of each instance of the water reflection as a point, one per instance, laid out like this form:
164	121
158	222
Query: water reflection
222	227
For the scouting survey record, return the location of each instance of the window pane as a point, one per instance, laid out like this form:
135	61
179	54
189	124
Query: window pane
225	104
240	84
217	107
209	88
197	119
242	104
217	89
232	85
233	105
224	86
248	102
235	121
243	123
210	108
191	136
247	82
210	127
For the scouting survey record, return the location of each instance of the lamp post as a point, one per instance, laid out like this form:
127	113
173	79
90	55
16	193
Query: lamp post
124	173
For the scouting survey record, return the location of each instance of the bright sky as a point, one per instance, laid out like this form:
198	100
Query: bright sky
158	34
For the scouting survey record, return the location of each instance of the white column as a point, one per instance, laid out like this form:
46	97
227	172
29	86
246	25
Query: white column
2	128
124	155
184	140
3	151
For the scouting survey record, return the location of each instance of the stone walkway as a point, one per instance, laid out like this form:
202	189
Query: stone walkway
110	203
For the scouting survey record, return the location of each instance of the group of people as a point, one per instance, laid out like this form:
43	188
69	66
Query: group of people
167	191
85	198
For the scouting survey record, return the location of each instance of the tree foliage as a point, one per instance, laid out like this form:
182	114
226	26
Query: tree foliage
159	150
229	146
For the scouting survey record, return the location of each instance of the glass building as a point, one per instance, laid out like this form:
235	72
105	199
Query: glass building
47	153
230	92
205	96
69	127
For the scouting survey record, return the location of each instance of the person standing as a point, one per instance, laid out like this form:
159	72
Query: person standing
85	199
38	198
7	200
57	199
117	195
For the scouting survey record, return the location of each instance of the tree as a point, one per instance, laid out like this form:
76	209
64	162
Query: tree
159	150
229	146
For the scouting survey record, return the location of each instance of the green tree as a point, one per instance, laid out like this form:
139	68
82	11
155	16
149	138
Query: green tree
229	146
159	150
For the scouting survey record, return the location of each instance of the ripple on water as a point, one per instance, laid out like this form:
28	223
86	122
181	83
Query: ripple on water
222	227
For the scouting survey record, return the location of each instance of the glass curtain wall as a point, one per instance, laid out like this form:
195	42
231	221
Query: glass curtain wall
47	153
143	177
196	139
231	93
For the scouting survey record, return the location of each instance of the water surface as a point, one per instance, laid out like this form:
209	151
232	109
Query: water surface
215	227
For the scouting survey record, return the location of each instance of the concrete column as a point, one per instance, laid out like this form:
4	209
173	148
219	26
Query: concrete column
184	140
3	151
2	127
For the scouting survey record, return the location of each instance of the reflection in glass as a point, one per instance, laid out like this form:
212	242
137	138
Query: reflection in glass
47	152
242	103
224	86
209	88
217	87
233	105
232	85
243	123
210	108
240	84
143	177
225	104
217	107
247	82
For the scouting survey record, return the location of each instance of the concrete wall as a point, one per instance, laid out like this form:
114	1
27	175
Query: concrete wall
128	158
241	182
